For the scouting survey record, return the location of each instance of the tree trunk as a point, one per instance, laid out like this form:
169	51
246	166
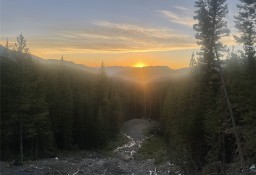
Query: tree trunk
150	107
44	144
238	142
37	146
32	147
21	141
7	148
224	152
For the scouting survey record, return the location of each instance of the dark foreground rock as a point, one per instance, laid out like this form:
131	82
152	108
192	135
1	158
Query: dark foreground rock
89	166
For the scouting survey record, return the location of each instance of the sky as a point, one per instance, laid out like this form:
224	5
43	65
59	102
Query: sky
117	32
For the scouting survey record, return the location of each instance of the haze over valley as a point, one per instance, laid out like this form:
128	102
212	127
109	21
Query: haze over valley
109	87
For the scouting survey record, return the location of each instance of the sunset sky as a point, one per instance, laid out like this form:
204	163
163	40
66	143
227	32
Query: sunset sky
119	32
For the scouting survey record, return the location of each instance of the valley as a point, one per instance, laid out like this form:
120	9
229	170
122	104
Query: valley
120	160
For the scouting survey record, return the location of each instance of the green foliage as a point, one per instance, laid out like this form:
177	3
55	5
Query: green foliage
196	121
242	88
55	106
183	122
114	143
153	148
211	27
246	24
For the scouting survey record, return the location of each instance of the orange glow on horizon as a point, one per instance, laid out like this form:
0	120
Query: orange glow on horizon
140	65
173	59
94	60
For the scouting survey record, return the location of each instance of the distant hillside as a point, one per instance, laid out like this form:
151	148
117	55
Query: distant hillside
1	50
71	64
133	74
150	74
112	70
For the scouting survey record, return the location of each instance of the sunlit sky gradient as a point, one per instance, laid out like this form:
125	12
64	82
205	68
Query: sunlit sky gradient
119	32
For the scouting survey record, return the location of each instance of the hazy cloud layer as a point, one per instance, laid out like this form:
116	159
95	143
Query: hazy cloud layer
105	36
183	17
184	9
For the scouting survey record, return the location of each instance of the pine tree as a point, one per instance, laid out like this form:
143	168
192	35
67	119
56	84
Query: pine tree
22	52
211	27
21	48
7	49
245	22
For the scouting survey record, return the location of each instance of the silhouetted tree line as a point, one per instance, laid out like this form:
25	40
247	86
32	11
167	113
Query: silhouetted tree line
209	117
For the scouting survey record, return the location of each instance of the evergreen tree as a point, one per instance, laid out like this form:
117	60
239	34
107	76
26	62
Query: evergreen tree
245	22
7	49
22	52
211	27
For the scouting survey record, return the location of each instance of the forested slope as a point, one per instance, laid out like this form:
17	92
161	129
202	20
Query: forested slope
208	118
45	107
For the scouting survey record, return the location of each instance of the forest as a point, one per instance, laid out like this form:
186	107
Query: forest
207	117
52	106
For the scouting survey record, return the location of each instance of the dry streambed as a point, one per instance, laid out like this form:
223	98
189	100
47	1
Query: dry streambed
122	160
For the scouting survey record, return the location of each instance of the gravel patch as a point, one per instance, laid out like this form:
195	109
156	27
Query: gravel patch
91	163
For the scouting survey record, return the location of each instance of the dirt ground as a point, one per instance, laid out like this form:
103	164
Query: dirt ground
91	163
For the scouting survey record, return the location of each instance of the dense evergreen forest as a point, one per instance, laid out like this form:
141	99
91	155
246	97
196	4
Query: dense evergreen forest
207	117
47	107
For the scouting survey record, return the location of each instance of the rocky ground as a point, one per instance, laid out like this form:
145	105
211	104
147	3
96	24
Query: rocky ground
121	161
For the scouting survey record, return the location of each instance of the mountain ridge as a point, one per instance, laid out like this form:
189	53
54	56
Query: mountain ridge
135	74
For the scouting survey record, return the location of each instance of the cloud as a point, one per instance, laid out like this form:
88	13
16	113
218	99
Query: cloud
179	19
110	37
182	8
133	29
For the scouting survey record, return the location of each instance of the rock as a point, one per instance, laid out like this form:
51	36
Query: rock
253	168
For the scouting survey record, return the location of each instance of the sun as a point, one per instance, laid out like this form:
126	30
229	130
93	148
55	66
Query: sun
140	65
